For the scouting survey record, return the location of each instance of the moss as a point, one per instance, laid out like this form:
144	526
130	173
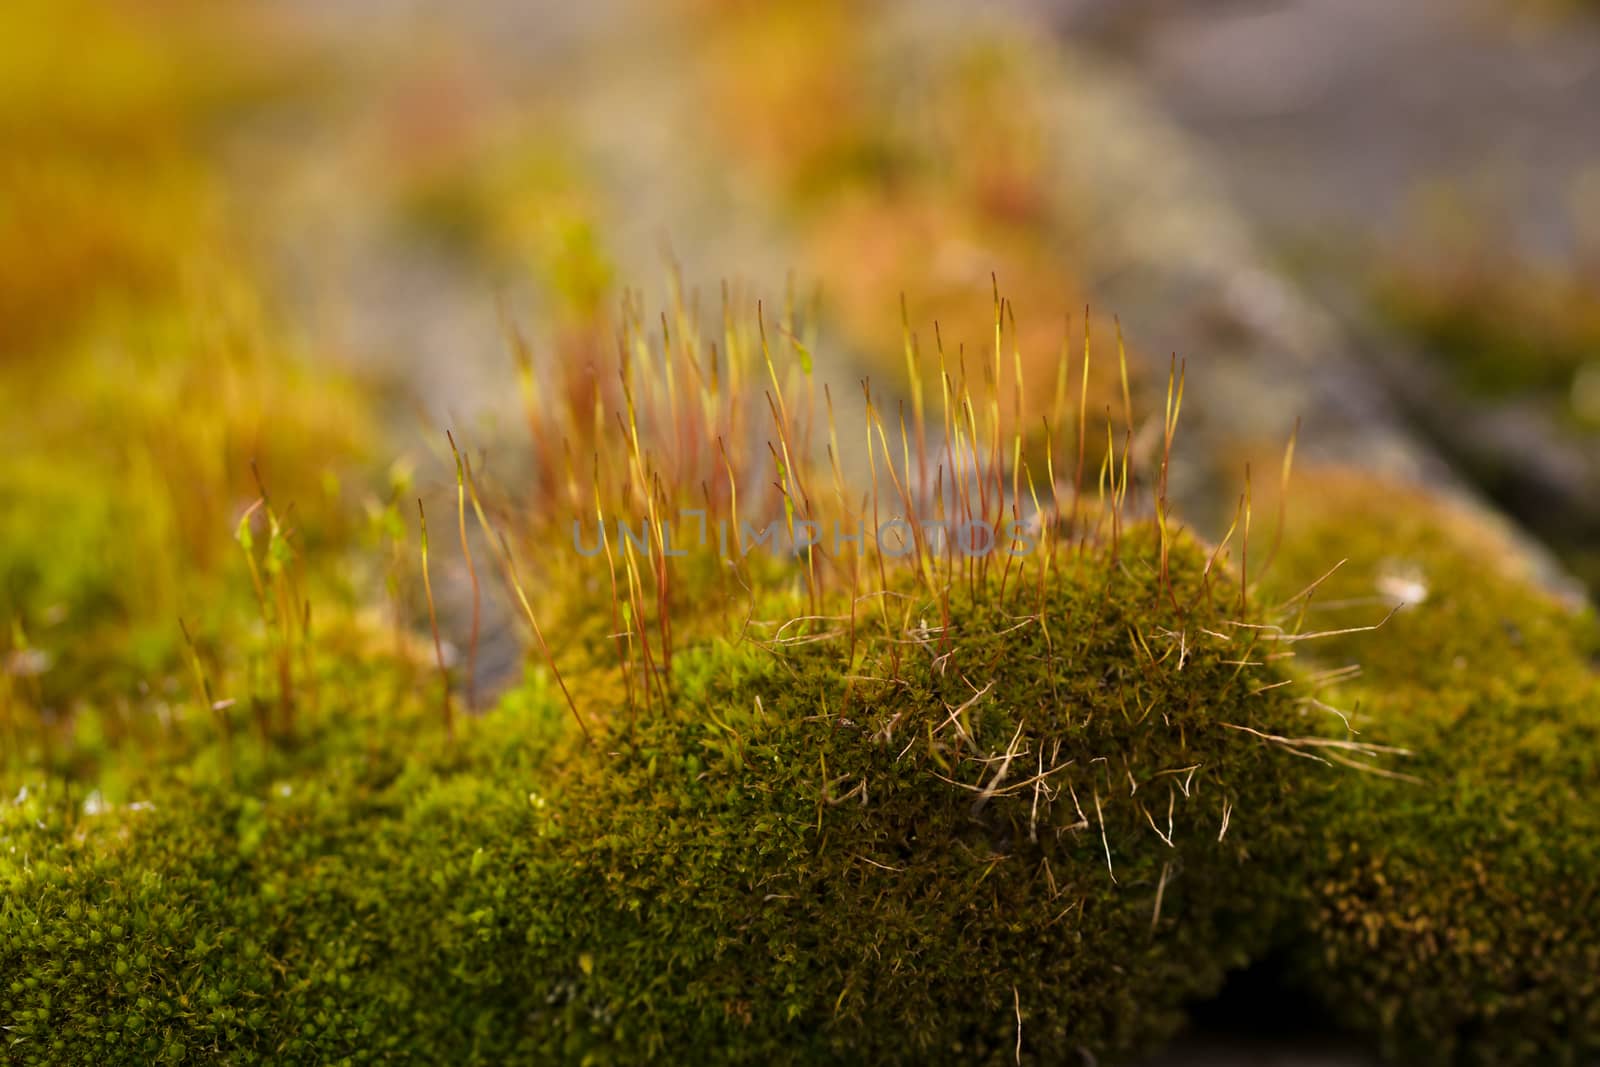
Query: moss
143	379
787	866
294	907
125	470
789	872
1452	916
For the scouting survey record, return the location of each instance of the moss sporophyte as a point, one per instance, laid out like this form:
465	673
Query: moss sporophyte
845	801
895	538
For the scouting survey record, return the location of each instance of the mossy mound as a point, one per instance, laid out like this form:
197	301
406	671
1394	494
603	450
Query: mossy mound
786	872
1015	823
1454	916
299	908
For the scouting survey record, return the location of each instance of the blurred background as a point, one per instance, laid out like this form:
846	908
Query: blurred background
283	244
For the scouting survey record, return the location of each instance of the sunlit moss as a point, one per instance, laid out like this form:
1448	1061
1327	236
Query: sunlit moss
260	905
131	457
794	869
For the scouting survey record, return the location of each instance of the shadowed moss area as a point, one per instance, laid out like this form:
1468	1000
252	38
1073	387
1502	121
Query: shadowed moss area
1047	817
1532	331
1452	915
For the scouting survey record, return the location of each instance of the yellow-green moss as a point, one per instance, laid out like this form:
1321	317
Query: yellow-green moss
143	378
789	865
796	870
1453	916
128	462
297	911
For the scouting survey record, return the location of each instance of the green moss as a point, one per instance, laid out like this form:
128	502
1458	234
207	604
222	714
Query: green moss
290	907
123	473
1453	916
786	866
787	872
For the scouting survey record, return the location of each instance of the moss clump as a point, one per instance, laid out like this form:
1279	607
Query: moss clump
785	866
1453	915
790	872
299	907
